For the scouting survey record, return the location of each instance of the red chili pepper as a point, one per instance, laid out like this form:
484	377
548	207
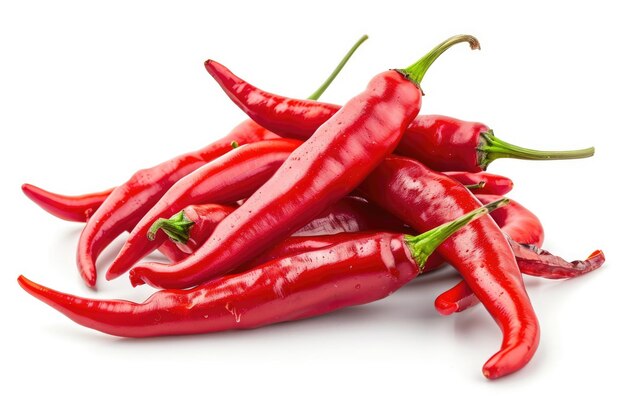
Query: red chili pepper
422	197
322	170
71	208
440	142
296	287
78	208
127	204
525	235
233	176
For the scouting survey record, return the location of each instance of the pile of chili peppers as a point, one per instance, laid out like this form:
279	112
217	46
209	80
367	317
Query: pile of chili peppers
307	207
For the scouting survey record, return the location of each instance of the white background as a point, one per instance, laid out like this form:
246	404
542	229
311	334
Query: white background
89	94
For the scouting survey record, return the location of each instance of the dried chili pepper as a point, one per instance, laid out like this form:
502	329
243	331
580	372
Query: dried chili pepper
227	179
525	234
440	142
329	165
422	197
296	287
127	204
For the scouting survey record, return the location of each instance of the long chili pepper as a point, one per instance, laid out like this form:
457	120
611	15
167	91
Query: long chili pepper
78	208
127	204
291	288
440	142
231	177
71	208
422	197
328	166
525	235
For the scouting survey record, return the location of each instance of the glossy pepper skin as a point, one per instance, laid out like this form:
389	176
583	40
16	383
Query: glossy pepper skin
442	143
227	179
316	175
291	288
76	208
525	234
309	284
328	166
127	204
480	252
130	201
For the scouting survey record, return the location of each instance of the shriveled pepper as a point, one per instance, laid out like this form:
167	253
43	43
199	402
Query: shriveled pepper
525	235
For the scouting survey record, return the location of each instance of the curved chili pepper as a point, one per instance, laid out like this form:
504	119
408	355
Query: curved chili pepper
296	287
422	197
440	142
79	208
525	234
328	166
233	176
127	204
486	182
71	208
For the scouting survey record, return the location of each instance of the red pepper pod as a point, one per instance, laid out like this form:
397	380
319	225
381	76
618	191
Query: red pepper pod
231	177
125	206
328	166
313	283
315	176
480	252
442	143
71	208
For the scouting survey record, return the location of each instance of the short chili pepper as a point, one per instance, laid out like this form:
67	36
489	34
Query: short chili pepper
440	142
227	179
422	197
328	166
525	235
291	288
127	204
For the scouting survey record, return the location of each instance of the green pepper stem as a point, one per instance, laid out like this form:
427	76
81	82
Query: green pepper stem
422	246
176	227
492	148
337	70
478	186
416	71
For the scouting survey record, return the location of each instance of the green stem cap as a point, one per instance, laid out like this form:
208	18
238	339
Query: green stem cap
176	227
337	69
417	71
478	186
492	148
422	246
